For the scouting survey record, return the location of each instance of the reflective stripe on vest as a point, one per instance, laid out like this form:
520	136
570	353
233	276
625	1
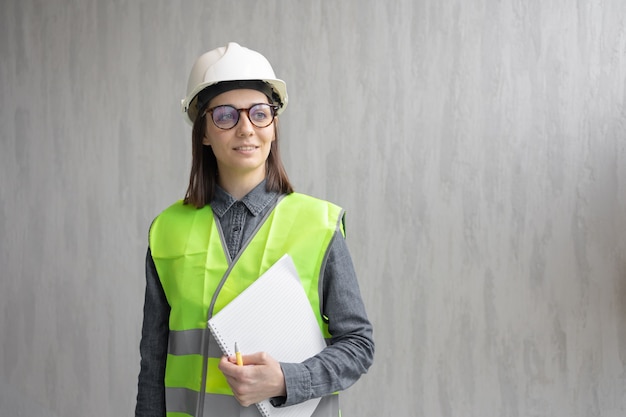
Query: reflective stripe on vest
198	280
178	400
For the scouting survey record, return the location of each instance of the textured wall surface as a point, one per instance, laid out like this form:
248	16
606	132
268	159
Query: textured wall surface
477	145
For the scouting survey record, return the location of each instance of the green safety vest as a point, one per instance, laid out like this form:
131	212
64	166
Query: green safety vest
199	279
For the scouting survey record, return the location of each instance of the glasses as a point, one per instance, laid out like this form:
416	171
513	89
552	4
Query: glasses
226	117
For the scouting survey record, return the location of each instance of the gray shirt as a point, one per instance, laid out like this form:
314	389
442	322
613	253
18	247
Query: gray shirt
351	349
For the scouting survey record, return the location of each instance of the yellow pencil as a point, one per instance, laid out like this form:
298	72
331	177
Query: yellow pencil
238	355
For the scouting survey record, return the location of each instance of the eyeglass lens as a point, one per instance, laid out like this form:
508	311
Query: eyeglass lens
227	117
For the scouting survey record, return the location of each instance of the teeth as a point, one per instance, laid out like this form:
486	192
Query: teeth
245	148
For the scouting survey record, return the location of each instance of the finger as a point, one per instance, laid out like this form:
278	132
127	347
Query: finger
258	358
227	367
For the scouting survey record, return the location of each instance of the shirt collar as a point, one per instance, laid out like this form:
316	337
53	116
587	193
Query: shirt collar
256	200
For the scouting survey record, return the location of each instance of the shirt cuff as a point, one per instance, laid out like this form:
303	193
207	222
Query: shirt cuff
297	384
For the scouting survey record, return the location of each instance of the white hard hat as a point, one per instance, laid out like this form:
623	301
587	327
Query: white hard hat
230	63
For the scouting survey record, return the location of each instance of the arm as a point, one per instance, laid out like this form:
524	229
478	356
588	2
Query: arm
153	346
351	349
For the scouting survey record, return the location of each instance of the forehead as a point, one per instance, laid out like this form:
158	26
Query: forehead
239	98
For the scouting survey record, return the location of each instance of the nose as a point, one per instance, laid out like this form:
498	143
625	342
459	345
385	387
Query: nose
244	125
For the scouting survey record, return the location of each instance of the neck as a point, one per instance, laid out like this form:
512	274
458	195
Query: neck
239	187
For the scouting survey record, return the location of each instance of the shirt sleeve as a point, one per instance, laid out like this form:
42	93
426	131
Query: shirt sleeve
153	346
351	349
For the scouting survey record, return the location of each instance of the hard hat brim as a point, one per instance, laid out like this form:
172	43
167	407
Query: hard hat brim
189	104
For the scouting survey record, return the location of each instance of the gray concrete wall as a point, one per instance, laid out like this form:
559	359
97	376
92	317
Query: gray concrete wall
477	145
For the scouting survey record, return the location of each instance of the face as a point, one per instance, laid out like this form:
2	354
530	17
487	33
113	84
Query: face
242	150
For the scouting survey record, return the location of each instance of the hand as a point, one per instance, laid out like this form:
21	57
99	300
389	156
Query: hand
260	378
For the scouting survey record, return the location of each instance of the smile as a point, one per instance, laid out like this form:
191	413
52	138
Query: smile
245	148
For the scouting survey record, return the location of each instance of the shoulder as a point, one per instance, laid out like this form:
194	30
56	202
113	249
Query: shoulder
177	215
306	199
174	226
312	207
179	209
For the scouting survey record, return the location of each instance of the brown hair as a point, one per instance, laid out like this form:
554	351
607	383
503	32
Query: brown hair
203	176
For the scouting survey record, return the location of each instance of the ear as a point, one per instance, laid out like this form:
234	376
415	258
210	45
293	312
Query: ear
206	141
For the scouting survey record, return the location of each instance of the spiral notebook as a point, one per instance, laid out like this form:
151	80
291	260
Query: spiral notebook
272	315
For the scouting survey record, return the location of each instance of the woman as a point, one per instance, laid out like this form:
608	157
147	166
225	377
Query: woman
239	216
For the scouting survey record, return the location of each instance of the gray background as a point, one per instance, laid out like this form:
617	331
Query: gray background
477	146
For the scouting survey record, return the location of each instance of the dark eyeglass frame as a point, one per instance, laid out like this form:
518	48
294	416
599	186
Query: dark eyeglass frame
273	108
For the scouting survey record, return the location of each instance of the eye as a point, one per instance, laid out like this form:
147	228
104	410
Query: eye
260	113
224	114
259	116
